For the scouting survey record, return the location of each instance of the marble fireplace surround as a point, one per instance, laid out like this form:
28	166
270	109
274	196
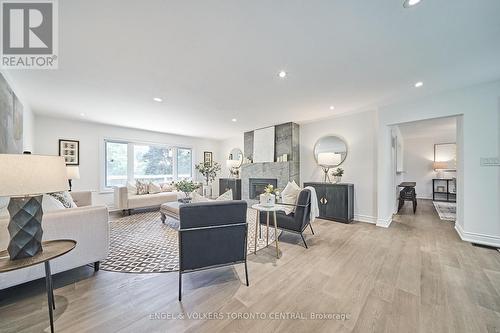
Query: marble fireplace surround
283	172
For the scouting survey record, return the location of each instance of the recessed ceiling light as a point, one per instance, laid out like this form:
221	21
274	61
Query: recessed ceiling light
410	3
282	74
157	99
233	120
419	84
82	114
332	107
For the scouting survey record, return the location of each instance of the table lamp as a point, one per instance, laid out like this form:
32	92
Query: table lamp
439	167
24	178
73	172
328	160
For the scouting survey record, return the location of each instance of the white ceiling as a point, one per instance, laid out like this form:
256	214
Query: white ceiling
438	128
212	61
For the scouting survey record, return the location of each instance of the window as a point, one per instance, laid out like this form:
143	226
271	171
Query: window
184	163
116	163
129	161
153	163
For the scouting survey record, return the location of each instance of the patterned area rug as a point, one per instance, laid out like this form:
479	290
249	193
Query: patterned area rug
141	243
447	211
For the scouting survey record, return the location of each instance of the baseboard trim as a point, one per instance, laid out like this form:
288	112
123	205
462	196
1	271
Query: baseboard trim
477	238
365	218
384	223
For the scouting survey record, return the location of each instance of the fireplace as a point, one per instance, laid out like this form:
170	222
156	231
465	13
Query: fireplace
257	185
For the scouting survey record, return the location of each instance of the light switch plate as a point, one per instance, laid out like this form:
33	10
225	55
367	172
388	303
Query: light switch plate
490	161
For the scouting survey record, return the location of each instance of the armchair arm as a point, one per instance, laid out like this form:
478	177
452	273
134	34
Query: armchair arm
82	198
121	197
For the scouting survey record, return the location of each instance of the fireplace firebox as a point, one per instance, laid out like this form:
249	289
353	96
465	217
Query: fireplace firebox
257	186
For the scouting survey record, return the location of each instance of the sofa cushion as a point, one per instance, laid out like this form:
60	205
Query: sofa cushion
289	196
142	187
196	197
50	203
154	188
150	200
226	196
65	198
131	188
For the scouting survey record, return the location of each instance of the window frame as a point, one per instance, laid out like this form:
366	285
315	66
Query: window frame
131	159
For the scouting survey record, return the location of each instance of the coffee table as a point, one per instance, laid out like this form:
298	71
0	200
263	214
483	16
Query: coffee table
50	250
170	209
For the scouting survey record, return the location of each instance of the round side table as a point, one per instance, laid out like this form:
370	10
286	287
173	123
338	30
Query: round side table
50	250
260	208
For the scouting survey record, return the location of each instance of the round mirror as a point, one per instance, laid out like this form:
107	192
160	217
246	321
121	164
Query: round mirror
236	155
330	151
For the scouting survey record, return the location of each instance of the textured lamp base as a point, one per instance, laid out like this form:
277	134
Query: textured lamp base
25	227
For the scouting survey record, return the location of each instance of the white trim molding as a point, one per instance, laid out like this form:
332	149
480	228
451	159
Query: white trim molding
477	238
384	223
365	218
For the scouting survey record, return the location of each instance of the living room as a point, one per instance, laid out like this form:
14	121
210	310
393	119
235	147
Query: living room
235	166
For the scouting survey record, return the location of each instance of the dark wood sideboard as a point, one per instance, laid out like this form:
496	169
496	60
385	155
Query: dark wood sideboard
336	201
226	184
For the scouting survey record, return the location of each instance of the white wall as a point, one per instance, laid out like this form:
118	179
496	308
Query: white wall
28	129
225	148
477	220
49	130
418	159
359	132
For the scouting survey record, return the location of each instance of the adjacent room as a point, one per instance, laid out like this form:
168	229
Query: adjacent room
243	166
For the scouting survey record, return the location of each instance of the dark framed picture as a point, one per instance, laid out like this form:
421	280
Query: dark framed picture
208	158
70	150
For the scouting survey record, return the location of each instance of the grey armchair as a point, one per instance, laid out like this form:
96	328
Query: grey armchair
212	234
298	221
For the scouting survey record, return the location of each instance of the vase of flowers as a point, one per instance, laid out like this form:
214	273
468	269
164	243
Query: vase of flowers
268	198
338	173
187	187
209	172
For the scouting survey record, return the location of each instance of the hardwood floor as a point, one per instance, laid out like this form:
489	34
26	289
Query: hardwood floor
416	276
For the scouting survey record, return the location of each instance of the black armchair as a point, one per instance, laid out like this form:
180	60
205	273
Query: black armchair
212	234
298	221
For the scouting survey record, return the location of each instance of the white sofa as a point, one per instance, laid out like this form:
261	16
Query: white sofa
126	200
86	224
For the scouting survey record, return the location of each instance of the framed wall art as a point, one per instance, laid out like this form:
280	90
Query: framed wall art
208	158
70	150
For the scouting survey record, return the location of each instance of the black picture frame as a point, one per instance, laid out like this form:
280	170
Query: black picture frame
70	150
208	158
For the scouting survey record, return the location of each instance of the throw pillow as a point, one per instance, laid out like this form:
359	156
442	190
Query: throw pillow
142	188
65	198
167	187
131	188
154	188
289	195
196	197
226	196
50	203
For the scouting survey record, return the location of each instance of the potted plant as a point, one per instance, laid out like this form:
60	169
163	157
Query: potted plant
338	173
209	172
187	187
268	198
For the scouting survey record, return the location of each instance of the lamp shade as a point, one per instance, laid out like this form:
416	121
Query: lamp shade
440	165
31	174
73	172
329	159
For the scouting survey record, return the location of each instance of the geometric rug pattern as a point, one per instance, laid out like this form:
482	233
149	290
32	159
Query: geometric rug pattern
447	211
141	243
